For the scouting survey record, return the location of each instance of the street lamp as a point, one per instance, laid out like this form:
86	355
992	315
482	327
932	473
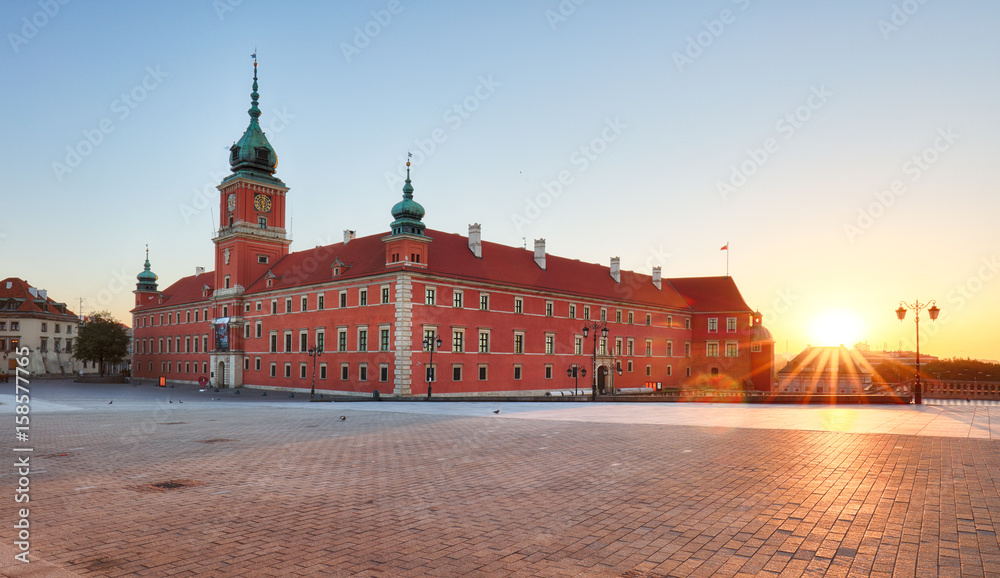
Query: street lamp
576	373
917	307
603	328
314	352
429	344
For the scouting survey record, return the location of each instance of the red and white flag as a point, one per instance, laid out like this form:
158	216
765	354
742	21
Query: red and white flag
725	247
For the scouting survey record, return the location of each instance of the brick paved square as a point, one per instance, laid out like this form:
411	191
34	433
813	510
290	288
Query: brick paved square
287	488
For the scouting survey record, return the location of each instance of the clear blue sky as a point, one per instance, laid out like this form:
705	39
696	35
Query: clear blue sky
644	107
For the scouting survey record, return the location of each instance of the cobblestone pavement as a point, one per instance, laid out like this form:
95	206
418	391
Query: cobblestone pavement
282	487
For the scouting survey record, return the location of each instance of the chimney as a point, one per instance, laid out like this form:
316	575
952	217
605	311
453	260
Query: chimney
616	269
476	240
657	277
540	253
198	271
348	236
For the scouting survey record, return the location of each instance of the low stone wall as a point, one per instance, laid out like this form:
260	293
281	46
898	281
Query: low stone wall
99	379
799	399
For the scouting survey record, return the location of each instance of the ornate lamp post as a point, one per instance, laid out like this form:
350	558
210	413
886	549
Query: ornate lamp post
917	307
603	328
429	344
314	352
576	373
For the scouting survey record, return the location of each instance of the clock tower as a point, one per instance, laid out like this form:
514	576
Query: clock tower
250	240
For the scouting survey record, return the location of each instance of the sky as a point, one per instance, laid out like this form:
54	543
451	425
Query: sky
846	152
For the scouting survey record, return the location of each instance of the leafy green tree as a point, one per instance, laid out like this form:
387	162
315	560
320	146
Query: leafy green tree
102	339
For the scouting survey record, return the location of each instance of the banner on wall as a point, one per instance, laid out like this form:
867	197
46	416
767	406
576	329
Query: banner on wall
222	334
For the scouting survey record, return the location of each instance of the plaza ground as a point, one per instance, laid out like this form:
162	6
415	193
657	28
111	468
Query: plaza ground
278	486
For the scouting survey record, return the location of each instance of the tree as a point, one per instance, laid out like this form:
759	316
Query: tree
101	339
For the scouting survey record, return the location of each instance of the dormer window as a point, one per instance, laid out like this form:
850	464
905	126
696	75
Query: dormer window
234	154
262	154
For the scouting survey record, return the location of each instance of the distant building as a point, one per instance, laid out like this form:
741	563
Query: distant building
509	319
902	357
826	370
30	318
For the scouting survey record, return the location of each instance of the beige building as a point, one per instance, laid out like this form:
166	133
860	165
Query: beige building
30	318
826	371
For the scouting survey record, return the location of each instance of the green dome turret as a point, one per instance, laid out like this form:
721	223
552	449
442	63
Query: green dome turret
147	279
253	155
407	213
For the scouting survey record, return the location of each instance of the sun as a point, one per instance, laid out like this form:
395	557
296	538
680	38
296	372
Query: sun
836	327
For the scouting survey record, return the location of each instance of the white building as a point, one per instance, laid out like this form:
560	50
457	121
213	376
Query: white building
30	318
825	371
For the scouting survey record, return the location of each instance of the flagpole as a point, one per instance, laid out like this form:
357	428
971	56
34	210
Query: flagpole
727	258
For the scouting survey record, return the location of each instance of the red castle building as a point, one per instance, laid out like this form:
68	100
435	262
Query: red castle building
364	314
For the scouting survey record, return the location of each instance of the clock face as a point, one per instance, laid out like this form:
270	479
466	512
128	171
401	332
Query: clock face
232	202
262	203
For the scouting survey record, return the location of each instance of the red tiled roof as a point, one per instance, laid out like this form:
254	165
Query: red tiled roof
710	293
449	256
184	290
20	293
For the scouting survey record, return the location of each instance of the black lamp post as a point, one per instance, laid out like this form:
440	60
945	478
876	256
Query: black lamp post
603	328
917	307
429	344
314	352
576	373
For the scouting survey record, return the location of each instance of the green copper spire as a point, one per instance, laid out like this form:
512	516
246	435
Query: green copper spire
147	279
253	156
254	112
407	213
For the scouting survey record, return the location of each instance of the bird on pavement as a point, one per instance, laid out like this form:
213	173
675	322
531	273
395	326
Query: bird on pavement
170	400
343	417
179	401
496	411
111	402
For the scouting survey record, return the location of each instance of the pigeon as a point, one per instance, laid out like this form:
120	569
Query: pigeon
170	400
263	394
111	402
291	395
496	411
237	392
343	417
179	401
